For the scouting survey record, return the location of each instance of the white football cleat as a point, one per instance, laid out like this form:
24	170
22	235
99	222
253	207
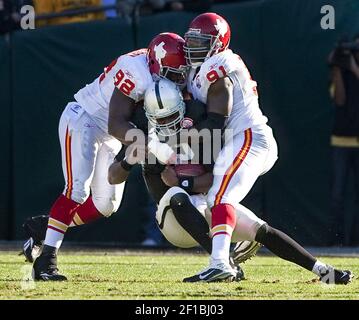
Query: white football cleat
215	272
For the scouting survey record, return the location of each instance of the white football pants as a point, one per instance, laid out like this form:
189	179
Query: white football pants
87	152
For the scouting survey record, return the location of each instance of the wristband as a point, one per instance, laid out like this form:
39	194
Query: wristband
186	183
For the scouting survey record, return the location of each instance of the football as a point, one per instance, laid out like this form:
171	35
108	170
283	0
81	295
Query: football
190	170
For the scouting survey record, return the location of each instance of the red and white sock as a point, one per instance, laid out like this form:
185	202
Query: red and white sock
61	215
223	223
86	213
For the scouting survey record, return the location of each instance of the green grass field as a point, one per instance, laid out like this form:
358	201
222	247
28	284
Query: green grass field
158	276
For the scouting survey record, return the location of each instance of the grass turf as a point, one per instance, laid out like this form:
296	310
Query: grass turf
143	276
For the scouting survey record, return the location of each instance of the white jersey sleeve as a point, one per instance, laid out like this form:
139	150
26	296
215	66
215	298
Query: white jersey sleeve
128	73
245	110
219	66
132	76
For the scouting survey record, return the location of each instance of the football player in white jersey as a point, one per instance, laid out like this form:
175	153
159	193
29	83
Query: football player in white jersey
90	132
220	79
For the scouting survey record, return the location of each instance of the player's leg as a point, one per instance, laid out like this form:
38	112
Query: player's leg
241	161
182	220
35	231
189	214
106	198
251	228
91	210
233	178
286	248
79	144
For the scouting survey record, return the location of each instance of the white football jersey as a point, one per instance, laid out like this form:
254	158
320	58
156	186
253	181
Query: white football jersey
245	111
129	73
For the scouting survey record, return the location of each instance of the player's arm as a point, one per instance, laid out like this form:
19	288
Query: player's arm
219	105
220	97
118	170
199	184
129	156
117	173
119	125
120	113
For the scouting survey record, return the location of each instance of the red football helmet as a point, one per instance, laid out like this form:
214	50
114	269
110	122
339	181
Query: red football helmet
166	58
208	34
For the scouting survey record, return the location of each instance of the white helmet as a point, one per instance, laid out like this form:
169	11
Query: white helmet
163	99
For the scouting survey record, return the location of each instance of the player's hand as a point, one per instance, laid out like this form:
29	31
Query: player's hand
169	176
162	151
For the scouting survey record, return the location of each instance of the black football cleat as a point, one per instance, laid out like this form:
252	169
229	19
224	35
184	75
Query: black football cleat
30	250
35	230
36	227
335	276
45	269
244	250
